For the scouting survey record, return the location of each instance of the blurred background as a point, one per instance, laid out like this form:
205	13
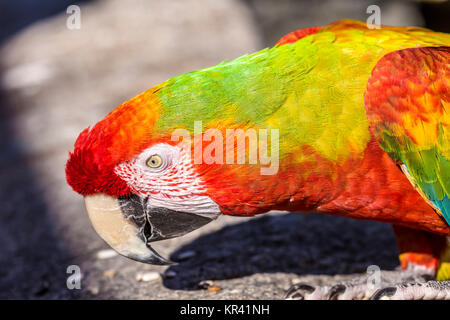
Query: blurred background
55	81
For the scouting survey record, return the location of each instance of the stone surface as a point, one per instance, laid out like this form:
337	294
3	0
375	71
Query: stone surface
55	82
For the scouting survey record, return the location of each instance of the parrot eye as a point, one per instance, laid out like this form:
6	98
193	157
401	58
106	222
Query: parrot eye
154	161
157	159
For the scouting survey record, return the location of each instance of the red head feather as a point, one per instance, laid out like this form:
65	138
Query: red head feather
122	134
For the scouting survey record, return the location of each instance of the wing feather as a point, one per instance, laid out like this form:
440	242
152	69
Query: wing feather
408	106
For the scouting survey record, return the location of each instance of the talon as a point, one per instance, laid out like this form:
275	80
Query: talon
293	292
388	292
335	291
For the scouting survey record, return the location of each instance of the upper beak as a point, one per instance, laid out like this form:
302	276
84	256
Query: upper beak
128	225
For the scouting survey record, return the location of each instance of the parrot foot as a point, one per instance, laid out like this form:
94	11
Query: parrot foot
431	290
402	285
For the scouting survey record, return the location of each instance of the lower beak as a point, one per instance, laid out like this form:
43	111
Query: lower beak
128	225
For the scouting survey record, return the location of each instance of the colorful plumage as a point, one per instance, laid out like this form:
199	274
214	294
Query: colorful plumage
364	132
407	100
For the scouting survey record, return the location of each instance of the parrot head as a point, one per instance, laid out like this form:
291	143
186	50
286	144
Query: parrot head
137	167
140	186
137	185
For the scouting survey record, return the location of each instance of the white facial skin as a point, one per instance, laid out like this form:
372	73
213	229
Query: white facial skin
170	183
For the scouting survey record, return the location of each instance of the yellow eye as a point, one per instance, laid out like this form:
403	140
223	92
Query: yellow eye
154	161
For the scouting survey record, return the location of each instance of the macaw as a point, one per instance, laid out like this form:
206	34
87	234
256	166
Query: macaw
362	131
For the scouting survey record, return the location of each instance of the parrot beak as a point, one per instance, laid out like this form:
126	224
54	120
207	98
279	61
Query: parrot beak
128	225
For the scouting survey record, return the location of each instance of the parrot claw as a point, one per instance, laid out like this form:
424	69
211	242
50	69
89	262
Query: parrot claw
394	285
298	291
340	291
